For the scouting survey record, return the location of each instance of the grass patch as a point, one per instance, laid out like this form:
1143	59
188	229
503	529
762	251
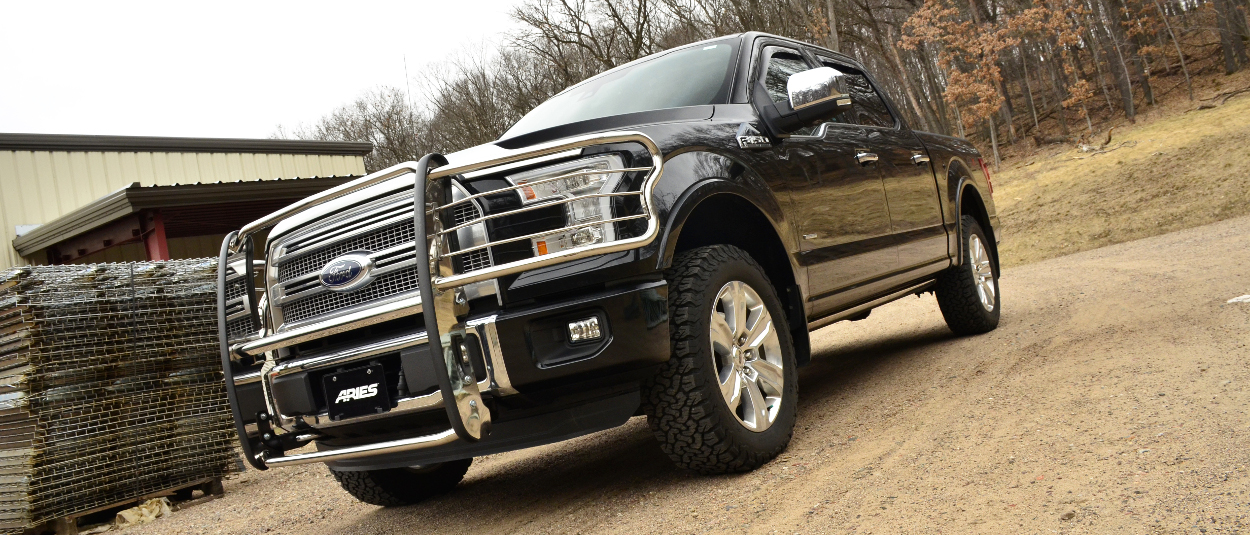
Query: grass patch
1179	170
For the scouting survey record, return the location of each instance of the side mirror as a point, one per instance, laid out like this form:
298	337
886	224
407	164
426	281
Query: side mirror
813	97
815	87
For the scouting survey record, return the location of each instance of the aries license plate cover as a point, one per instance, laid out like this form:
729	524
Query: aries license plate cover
357	392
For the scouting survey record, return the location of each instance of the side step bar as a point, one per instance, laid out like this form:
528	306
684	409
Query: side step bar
827	320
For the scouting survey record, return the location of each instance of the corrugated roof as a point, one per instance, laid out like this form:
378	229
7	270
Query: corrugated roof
272	194
86	143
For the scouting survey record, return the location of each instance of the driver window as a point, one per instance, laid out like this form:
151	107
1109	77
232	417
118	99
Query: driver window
867	106
782	64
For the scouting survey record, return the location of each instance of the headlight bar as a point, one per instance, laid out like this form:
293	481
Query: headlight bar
443	305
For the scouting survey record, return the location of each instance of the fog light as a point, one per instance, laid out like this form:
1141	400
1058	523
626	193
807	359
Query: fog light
582	330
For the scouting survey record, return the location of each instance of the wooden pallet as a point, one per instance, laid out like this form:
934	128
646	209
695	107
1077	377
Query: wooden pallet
68	525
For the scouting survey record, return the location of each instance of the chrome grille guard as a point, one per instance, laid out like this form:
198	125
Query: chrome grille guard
439	285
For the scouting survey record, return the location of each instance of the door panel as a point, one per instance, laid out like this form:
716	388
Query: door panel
910	189
837	205
843	220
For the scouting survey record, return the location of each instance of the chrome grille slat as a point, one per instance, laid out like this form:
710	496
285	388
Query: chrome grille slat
383	228
388	285
399	233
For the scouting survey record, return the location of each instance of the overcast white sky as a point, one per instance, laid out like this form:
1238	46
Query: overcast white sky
219	69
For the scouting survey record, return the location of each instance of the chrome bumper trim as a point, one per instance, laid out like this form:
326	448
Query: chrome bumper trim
381	448
496	372
247	378
341	324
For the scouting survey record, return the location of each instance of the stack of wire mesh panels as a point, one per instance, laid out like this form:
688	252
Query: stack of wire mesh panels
110	386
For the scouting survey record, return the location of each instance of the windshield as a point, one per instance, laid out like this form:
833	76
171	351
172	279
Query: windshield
692	76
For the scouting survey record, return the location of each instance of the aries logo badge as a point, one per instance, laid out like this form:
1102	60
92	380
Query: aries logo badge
347	272
360	392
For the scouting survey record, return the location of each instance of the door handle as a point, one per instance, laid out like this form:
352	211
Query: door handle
919	159
865	158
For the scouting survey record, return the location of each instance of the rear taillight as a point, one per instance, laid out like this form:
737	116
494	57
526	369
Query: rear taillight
986	170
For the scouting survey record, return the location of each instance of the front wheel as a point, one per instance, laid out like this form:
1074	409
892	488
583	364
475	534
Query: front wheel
968	293
402	486
726	400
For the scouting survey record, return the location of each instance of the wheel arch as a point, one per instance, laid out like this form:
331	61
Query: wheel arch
969	201
699	218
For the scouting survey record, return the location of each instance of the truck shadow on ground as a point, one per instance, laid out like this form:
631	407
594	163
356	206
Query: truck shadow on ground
624	465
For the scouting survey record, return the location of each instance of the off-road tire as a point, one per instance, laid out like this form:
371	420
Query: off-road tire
402	486
684	407
956	289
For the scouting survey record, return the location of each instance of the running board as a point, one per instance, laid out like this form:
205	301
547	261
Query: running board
834	318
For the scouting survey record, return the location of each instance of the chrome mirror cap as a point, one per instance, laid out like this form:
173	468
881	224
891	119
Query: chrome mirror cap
812	87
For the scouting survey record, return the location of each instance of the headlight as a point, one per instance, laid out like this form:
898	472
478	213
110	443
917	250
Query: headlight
571	180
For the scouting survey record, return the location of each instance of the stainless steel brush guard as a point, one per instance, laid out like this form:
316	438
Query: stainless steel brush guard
440	287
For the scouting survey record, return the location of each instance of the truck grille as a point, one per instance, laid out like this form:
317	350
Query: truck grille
386	238
373	228
389	285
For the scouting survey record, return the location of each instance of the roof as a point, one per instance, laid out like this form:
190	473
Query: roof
85	143
230	203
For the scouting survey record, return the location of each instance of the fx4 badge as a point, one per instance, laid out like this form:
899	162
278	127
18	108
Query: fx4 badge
360	392
751	139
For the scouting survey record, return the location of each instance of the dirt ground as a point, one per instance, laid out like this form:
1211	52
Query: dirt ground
1112	399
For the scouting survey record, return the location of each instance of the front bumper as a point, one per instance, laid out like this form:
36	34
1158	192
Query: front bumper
461	385
542	387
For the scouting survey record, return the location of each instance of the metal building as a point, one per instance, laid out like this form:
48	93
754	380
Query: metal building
79	199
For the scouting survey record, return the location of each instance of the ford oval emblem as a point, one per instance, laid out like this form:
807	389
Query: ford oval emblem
348	272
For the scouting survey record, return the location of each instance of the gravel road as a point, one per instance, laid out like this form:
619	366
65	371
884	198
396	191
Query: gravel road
1112	399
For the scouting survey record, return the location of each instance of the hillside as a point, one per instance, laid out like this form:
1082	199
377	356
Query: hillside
1178	167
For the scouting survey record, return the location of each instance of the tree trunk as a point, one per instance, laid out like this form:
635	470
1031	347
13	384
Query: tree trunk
959	120
1060	93
901	69
1094	45
994	143
1140	69
1234	49
1185	69
1123	78
832	15
1029	91
1007	109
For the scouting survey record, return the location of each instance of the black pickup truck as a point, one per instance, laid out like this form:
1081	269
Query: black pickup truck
657	240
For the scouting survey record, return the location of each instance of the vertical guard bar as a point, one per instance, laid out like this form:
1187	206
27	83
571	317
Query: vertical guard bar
227	370
469	417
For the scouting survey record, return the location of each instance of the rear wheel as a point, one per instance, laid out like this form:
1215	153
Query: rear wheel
402	486
726	400
968	293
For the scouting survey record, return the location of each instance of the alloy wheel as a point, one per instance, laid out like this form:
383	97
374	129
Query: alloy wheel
982	272
747	356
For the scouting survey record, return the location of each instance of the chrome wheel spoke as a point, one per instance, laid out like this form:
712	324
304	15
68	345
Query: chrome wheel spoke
760	330
756	416
769	373
731	388
722	335
739	304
